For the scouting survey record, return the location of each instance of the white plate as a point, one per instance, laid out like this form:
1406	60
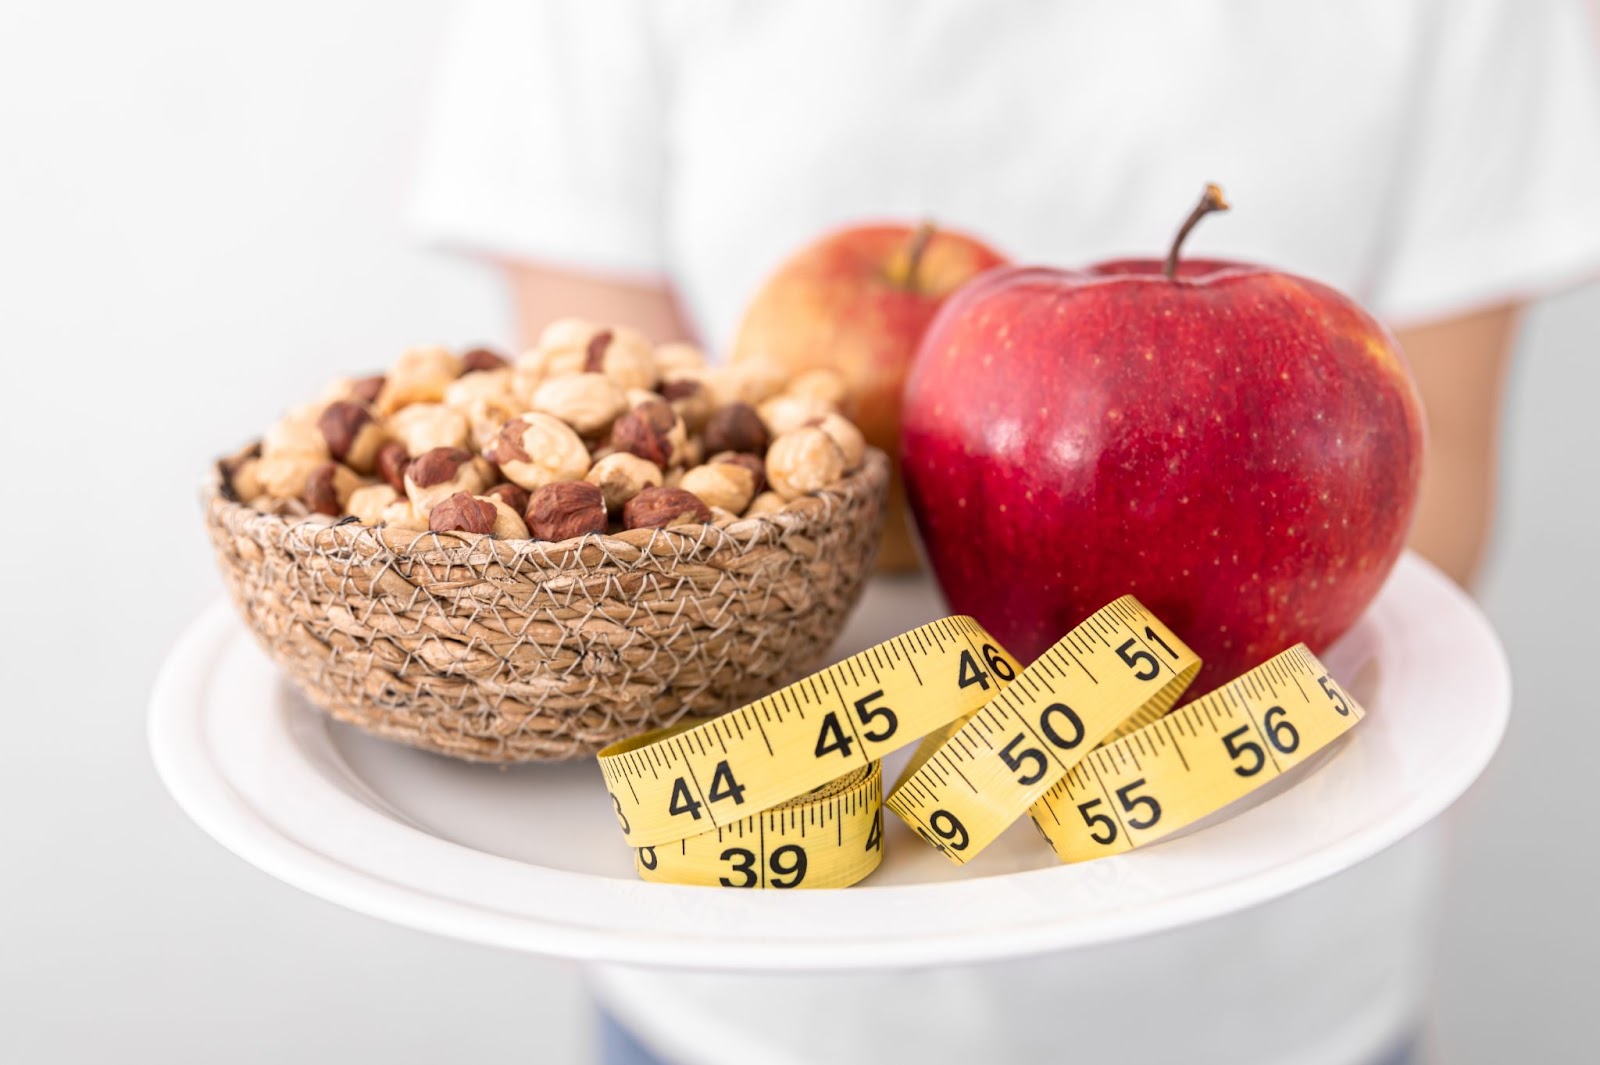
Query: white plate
529	857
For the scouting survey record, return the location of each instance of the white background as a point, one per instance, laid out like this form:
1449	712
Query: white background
201	219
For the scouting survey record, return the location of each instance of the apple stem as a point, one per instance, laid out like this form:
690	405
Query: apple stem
1210	200
904	270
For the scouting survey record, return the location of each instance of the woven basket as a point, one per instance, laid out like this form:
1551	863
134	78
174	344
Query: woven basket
524	651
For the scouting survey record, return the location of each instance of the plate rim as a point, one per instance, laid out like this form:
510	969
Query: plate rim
176	732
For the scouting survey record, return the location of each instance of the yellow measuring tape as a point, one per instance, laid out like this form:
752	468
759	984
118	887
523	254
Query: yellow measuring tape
786	791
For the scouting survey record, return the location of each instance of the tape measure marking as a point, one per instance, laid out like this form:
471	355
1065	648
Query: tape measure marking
1115	672
671	784
828	838
1148	784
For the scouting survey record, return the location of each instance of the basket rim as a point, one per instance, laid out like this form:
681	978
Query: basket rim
797	516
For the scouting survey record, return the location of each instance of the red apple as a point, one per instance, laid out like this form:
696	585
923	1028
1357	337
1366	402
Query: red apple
857	301
1238	447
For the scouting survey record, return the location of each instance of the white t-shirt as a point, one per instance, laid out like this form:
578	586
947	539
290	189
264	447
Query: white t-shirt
1425	155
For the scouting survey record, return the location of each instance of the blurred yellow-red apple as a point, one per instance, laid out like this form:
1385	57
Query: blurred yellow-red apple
858	301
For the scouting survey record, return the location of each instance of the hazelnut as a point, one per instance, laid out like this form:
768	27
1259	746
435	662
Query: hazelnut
689	397
283	475
750	381
851	443
467	389
244	477
425	426
402	515
369	502
536	449
328	488
296	433
723	484
653	432
361	390
484	515
512	495
785	413
351	434
757	468
802	461
563	511
391	464
623	355
622	475
765	503
419	376
660	508
480	359
589	402
823	385
440	473
679	355
736	427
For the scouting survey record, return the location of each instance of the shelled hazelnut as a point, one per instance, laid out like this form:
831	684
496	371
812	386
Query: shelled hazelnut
844	433
589	402
419	376
440	473
402	515
689	396
757	468
328	488
244	476
512	495
803	461
623	355
622	475
425	426
653	432
484	515
785	413
493	384
563	511
296	433
352	435
368	503
659	508
391	464
537	449
283	475
823	385
765	503
362	390
679	355
736	427
728	485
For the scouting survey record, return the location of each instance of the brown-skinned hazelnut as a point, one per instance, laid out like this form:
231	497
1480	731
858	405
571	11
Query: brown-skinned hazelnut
512	495
391	464
329	487
435	475
479	359
736	427
689	398
484	515
660	508
563	511
653	431
803	461
352	435
537	449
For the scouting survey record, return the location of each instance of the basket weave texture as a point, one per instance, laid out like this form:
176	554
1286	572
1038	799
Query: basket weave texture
520	650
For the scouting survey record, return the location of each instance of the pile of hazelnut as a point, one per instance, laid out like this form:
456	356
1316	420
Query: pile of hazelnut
594	430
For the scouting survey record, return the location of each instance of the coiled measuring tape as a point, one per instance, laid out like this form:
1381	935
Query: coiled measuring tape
785	791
